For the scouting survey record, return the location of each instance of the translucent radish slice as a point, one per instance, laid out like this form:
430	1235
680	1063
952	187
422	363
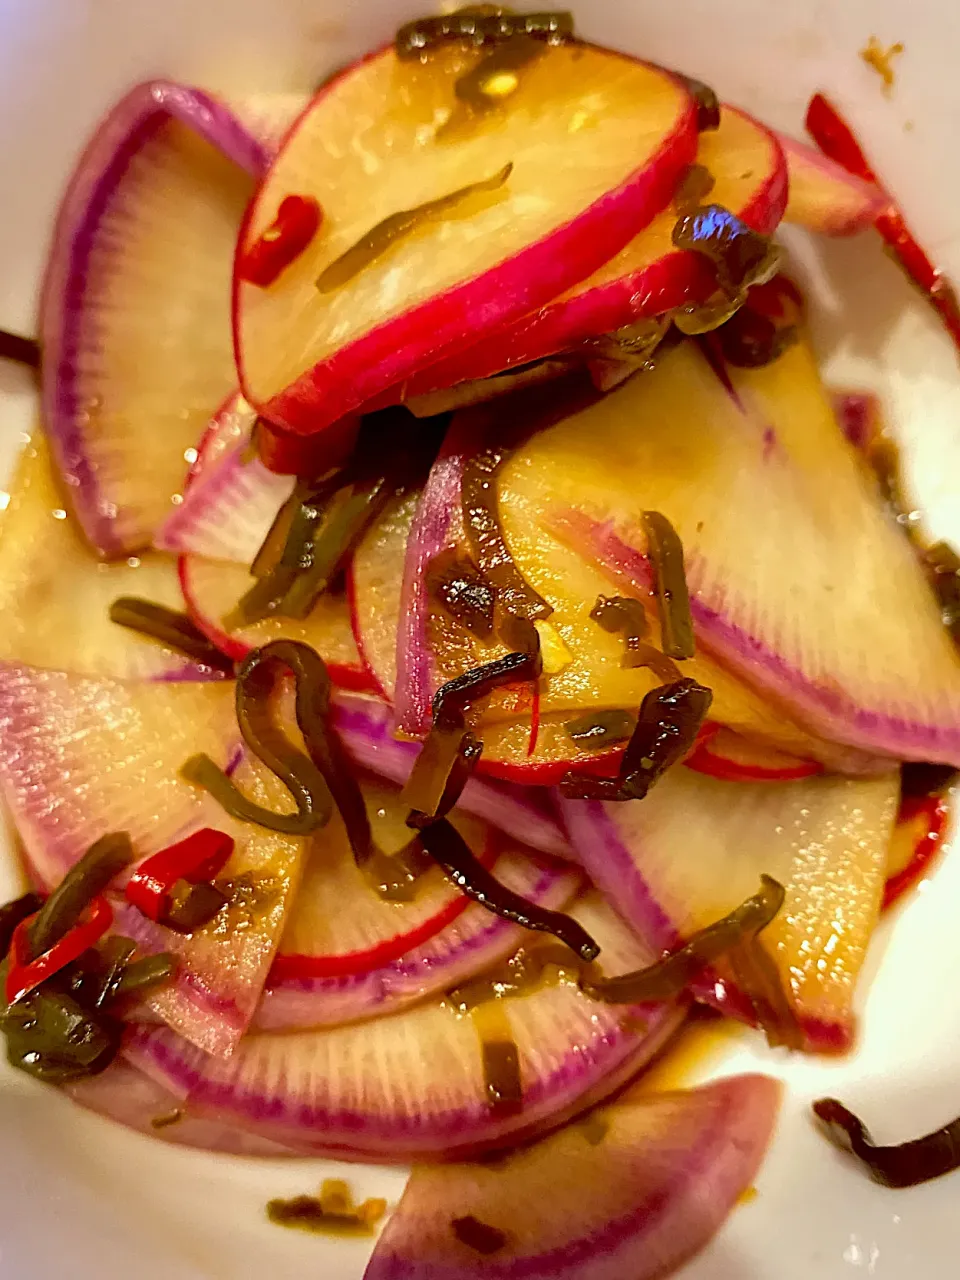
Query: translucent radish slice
824	197
412	1084
696	847
267	116
799	582
646	278
366	728
635	1194
127	1096
347	954
231	424
55	594
211	589
732	758
135	310
596	142
917	841
227	511
376	583
58	733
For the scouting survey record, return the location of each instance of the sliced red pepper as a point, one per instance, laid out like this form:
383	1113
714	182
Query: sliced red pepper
27	972
297	222
199	857
836	140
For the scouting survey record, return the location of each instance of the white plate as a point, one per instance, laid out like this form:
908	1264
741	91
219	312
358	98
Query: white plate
82	1199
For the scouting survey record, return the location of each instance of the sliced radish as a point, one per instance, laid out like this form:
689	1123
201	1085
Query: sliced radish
267	116
134	318
227	510
477	391
231	423
596	141
563	571
412	1084
58	730
211	589
634	1195
646	278
366	728
917	841
799	582
55	594
348	954
376	582
730	757
824	197
126	1095
695	848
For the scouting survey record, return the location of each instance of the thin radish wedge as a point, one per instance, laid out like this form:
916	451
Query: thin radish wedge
375	586
211	589
55	594
58	730
696	847
412	1085
630	1194
347	953
127	1096
824	197
432	649
791	561
366	729
730	757
648	277
589	149
134	319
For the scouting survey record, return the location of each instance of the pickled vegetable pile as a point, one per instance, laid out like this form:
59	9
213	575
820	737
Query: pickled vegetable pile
453	637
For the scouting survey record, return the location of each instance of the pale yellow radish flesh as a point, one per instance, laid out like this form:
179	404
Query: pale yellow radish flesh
55	594
696	847
799	581
596	141
376	574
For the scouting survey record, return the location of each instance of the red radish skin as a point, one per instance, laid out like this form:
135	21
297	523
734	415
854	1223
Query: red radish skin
647	278
731	758
634	1205
366	729
696	847
920	832
161	185
824	197
367	1089
212	588
771	456
55	594
539	252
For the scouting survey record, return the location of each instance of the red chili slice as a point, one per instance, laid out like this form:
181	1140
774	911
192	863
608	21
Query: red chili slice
198	858
837	140
27	972
297	222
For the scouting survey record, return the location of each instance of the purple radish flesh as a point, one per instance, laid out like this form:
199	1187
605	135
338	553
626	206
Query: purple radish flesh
633	1192
411	1085
135	312
696	847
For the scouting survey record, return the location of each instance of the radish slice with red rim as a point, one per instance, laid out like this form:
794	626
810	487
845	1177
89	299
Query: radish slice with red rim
636	1190
732	758
824	197
728	452
646	278
696	847
134	318
55	595
369	1089
375	588
58	731
347	953
366	729
211	589
596	142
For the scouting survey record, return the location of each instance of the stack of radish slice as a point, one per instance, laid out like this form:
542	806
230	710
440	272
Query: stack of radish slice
521	263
